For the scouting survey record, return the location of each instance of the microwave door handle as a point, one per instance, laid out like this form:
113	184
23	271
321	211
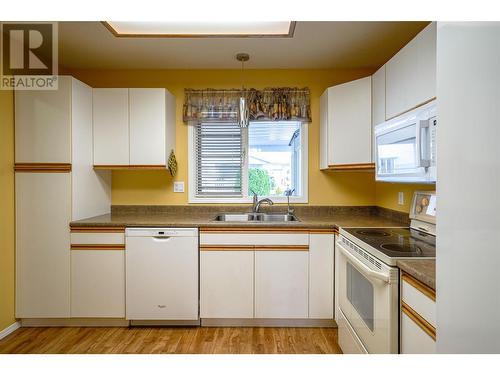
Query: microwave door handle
419	140
363	268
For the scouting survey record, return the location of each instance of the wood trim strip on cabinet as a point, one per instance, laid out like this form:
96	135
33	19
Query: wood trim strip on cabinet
226	247
291	31
281	247
324	230
254	248
98	247
129	167
419	286
411	109
347	167
42	167
244	230
418	320
103	229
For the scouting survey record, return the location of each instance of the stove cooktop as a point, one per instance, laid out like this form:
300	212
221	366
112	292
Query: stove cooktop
396	243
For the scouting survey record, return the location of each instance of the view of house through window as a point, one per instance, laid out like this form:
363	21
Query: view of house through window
273	158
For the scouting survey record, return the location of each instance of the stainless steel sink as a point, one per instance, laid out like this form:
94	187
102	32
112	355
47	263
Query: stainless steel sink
257	217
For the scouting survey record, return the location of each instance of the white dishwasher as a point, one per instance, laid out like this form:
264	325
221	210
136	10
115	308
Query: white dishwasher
161	274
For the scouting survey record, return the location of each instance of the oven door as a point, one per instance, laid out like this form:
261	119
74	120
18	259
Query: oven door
368	299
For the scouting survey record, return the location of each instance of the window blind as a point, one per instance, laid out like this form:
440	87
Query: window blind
218	159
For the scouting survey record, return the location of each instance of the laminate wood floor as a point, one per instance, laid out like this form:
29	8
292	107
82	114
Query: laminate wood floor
158	340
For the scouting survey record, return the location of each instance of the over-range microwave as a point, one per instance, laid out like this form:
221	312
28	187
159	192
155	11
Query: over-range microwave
405	146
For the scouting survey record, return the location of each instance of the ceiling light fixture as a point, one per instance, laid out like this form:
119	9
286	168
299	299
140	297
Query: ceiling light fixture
243	112
276	29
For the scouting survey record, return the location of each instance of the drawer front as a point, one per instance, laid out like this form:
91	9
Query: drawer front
89	238
414	340
256	239
413	295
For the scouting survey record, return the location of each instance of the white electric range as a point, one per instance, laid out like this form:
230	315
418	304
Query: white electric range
368	279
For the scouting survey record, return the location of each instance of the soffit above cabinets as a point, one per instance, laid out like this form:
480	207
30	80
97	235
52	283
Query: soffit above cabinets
314	45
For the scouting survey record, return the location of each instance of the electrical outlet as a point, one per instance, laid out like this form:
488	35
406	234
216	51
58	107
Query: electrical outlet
401	198
178	186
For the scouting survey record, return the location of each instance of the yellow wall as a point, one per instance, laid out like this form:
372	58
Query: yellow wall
6	209
155	187
386	194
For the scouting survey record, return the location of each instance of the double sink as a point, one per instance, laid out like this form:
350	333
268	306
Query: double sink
255	217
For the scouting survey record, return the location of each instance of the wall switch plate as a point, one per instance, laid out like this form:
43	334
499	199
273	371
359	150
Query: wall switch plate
401	198
178	186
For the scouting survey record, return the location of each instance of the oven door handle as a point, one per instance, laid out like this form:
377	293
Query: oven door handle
363	268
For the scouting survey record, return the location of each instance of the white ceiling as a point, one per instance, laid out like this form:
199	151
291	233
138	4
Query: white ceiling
315	45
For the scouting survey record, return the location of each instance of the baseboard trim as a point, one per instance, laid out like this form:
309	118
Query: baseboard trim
74	322
7	331
165	322
216	322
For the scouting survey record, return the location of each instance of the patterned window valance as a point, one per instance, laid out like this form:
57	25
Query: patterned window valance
270	104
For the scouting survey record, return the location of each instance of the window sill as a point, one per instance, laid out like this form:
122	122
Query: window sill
248	200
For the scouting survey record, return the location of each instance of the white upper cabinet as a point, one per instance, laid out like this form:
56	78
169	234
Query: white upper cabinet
133	127
147	126
378	96
43	120
111	126
346	125
411	74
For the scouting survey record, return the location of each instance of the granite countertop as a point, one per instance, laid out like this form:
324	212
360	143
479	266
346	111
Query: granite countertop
203	216
424	270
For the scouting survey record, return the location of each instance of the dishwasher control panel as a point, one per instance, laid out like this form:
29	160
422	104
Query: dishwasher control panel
161	232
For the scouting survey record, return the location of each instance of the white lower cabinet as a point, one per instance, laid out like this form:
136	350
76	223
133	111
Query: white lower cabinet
418	317
97	283
226	284
281	284
414	340
266	275
321	275
43	208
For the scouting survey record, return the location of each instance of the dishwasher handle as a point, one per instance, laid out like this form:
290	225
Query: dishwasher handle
161	238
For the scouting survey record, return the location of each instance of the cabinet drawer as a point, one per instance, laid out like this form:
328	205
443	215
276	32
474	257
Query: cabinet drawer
414	340
420	298
254	239
89	238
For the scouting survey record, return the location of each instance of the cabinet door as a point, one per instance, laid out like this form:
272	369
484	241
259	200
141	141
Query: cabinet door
147	127
325	150
411	74
414	340
226	284
281	284
111	126
321	270
43	211
349	110
43	124
97	283
378	96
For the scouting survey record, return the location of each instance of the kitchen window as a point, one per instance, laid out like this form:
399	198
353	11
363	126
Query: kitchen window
227	163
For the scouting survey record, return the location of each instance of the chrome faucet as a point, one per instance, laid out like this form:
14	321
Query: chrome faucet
289	192
257	202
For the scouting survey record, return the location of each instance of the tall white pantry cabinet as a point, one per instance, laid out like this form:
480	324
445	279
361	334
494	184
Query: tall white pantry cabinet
55	184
